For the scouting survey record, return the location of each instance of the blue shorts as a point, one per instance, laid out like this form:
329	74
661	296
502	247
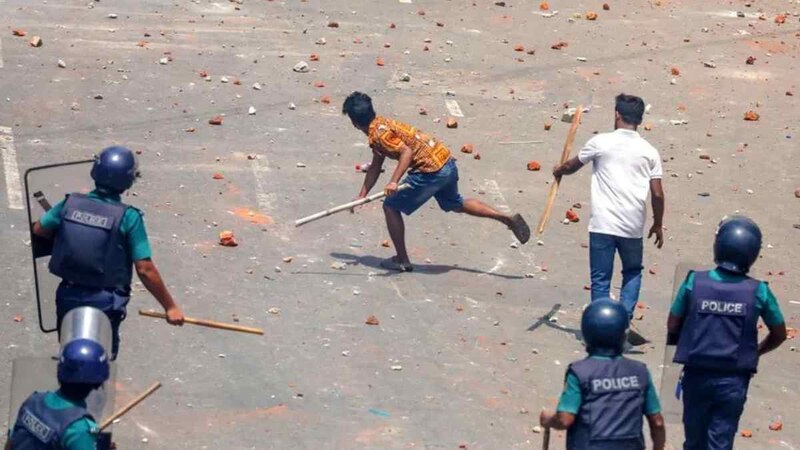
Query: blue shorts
441	185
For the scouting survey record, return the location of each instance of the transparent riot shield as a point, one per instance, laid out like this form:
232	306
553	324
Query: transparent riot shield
671	405
45	186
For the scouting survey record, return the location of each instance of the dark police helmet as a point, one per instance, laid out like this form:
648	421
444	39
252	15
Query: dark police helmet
115	169
737	244
83	361
603	327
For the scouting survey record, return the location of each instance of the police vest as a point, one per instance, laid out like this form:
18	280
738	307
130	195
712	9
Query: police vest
41	428
720	331
89	249
610	416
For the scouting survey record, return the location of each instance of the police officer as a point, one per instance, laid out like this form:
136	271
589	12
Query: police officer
98	239
724	305
606	395
59	420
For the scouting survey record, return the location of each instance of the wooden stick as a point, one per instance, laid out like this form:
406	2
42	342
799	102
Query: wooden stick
121	412
551	197
205	323
346	206
546	439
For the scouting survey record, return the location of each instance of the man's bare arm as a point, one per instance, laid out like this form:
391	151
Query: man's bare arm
151	278
558	420
41	231
658	432
657	199
568	168
776	336
373	173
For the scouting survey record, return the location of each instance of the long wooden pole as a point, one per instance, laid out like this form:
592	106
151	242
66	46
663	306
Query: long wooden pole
551	197
121	412
346	206
546	439
205	323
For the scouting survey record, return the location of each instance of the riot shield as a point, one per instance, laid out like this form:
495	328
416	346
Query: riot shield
671	404
30	374
46	186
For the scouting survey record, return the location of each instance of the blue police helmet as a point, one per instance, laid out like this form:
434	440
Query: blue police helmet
83	361
737	244
115	169
603	327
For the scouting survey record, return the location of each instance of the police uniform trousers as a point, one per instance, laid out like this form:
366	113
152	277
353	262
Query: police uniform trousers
712	405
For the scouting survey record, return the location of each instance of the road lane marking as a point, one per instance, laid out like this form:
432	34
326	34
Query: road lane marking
453	107
10	168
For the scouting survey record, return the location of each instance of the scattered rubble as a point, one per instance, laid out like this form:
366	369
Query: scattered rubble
301	67
227	239
467	148
751	116
216	120
452	122
372	320
534	166
36	41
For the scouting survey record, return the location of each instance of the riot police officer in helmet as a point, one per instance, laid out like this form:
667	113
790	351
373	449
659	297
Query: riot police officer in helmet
98	240
59	420
606	395
718	363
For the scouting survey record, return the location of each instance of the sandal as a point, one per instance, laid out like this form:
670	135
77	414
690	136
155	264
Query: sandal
520	228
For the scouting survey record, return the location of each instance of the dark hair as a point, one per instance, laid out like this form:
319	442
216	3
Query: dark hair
358	106
631	108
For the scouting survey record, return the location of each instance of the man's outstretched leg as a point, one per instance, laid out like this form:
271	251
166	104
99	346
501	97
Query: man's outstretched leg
515	223
397	231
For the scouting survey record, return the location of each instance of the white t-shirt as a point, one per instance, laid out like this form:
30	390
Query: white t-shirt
624	164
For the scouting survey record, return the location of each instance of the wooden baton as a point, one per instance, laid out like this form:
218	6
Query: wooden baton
205	323
122	411
346	206
551	197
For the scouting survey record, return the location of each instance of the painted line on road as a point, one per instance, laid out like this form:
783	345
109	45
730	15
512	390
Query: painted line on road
10	168
266	202
405	1
453	107
1	50
493	189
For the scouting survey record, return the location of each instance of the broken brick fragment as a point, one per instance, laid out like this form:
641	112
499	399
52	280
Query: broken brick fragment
747	433
572	216
780	19
421	12
227	239
423	111
776	426
372	320
477	156
202	73
544	6
216	120
380	62
606	7
519	48
467	148
325	99
547	126
333	24
591	15
675	71
531	52
19	33
751	116
439	24
559	45
750	60
319	84
313	57
534	166
36	41
385	243
452	123
392	26
218	176
648	127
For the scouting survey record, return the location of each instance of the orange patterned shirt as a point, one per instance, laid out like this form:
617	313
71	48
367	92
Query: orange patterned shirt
387	137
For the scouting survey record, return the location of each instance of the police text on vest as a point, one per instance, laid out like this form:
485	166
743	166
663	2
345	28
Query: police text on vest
615	384
721	307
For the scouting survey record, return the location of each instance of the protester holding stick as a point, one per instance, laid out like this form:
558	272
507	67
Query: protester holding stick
626	168
432	172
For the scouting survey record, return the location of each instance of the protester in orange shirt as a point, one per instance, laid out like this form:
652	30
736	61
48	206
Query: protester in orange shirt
432	172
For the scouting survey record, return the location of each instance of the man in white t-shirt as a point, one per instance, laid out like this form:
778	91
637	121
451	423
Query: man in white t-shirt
626	168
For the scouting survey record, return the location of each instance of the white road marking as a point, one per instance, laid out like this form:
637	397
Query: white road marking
405	1
266	202
493	189
11	169
453	107
1	51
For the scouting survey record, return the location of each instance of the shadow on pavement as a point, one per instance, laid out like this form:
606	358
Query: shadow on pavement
426	269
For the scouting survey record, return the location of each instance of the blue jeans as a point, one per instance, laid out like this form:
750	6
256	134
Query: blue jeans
441	185
712	405
602	248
